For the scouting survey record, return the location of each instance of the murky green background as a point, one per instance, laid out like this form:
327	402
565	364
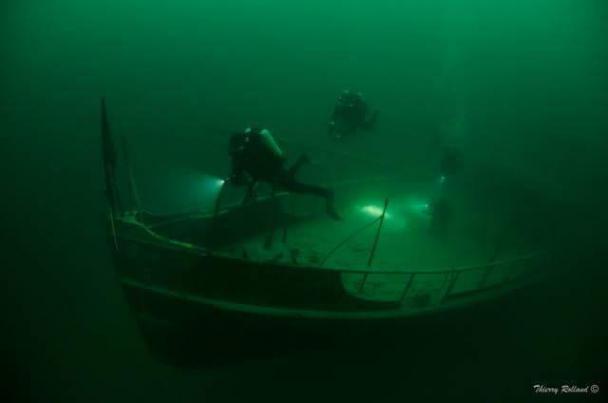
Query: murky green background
520	86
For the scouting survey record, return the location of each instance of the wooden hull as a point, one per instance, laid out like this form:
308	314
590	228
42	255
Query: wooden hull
196	305
193	333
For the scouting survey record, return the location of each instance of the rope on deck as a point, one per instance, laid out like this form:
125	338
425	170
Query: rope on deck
347	239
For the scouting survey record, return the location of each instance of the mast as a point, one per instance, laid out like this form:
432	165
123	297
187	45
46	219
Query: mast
109	166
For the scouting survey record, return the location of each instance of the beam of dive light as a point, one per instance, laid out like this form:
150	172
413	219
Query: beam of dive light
393	221
204	188
212	183
374	211
419	207
180	190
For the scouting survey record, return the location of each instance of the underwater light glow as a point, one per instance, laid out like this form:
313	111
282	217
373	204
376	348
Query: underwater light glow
210	186
420	206
212	183
374	211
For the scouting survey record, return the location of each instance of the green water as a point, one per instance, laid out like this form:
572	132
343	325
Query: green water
519	86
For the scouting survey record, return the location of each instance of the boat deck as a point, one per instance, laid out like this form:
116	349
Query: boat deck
417	264
406	241
407	244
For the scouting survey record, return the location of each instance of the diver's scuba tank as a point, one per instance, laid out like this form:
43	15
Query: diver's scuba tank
237	143
451	161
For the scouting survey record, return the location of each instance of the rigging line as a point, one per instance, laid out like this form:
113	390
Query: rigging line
347	239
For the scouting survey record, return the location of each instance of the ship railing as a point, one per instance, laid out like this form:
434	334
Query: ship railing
434	287
425	288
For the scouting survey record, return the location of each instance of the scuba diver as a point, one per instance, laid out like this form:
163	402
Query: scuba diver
351	114
450	164
451	161
256	157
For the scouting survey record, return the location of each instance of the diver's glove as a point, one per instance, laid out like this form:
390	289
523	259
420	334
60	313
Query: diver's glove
230	180
238	179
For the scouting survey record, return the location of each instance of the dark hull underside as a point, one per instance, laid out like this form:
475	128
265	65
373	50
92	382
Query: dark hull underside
189	333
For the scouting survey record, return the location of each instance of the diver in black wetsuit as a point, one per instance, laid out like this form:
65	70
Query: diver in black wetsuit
256	157
351	114
450	164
